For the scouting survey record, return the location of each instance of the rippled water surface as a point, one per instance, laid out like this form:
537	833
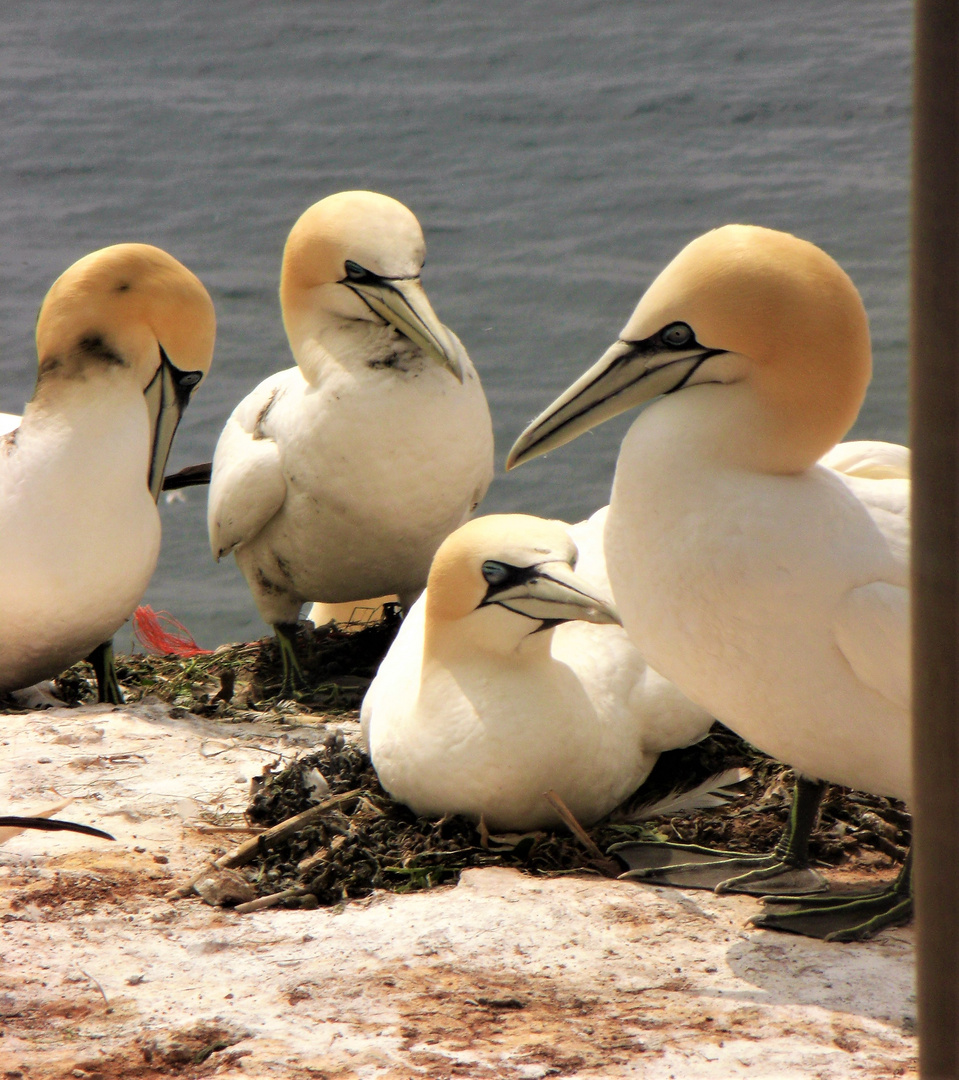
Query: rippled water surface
557	153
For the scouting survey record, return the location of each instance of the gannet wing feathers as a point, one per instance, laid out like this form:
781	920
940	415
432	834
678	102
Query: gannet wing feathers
871	623
869	459
247	486
872	631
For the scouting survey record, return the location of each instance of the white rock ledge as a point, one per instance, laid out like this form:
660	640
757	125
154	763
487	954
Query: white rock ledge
503	976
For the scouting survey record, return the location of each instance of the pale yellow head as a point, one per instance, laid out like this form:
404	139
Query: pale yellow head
118	308
131	313
456	583
355	258
374	231
784	305
770	321
500	578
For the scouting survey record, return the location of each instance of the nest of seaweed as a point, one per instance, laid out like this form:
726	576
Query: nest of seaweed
242	682
366	841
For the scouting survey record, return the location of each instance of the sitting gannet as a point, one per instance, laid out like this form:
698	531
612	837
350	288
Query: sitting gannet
770	589
499	687
123	338
337	479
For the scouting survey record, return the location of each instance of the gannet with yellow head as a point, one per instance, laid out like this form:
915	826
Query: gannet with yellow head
769	588
511	676
338	479
123	338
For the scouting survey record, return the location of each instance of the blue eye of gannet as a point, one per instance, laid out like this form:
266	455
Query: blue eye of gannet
495	573
677	335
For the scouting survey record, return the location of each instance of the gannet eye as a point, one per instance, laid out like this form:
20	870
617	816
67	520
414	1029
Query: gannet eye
495	572
190	378
354	271
677	334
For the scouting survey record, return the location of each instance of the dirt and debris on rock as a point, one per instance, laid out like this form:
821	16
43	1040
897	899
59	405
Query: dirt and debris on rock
241	681
370	842
525	961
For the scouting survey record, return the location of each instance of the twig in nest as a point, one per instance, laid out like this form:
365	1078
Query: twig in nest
270	901
580	833
248	851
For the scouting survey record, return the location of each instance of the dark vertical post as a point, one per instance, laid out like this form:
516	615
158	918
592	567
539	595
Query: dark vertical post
935	439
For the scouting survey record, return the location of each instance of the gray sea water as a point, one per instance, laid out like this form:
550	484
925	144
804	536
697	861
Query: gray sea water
557	152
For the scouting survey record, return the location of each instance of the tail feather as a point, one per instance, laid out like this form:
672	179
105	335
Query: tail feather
191	476
712	792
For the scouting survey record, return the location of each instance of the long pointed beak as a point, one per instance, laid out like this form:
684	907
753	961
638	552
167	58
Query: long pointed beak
554	593
403	304
626	375
167	395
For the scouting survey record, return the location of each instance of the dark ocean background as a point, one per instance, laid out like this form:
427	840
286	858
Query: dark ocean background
557	153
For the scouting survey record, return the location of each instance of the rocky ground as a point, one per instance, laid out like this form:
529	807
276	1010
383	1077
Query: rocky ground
454	954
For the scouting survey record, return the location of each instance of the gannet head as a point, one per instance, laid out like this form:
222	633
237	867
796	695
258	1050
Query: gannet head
503	577
129	311
751	312
358	255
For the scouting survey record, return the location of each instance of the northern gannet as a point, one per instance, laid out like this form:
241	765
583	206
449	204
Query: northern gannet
123	338
499	687
338	479
770	589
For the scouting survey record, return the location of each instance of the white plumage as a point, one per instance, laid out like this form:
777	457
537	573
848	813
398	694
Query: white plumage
123	337
772	589
337	479
478	708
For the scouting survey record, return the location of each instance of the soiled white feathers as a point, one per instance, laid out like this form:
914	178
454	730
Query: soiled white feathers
336	480
123	338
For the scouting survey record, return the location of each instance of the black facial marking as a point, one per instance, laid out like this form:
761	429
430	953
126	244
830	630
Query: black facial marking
501	576
359	275
94	345
124	286
184	381
495	572
355	272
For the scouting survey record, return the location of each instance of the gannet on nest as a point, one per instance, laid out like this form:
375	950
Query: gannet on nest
772	590
123	338
337	479
511	677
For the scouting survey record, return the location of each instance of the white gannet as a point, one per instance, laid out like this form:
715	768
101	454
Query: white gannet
9	421
338	479
770	589
123	338
490	696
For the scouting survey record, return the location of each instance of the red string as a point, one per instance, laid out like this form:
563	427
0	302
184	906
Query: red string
171	640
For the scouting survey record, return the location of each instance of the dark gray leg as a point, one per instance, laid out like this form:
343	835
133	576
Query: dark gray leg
108	688
785	870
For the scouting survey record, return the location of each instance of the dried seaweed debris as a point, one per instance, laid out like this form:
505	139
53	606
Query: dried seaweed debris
370	842
338	660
